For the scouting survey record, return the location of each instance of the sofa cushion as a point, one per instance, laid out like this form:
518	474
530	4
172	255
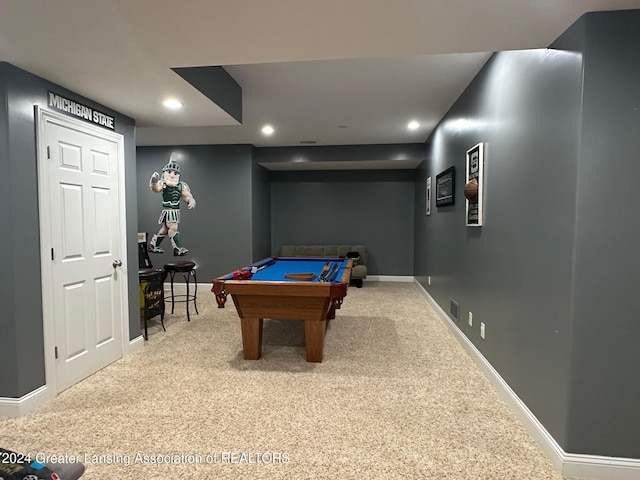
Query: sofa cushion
359	272
288	251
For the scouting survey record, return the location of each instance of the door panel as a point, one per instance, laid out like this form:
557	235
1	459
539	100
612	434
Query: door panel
82	171
73	312
105	316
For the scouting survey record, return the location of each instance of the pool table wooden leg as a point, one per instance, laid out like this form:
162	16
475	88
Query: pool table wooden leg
251	338
314	339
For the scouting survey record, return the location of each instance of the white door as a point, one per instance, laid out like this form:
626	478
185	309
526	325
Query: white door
84	300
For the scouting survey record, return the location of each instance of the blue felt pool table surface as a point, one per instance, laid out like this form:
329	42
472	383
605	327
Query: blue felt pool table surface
276	268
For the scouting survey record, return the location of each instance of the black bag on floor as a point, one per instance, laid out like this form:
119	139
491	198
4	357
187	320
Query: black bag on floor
17	466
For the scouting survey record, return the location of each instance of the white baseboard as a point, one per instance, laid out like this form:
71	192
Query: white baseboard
179	288
136	344
388	278
568	464
19	407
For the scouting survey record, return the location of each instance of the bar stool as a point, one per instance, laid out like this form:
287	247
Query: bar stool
188	270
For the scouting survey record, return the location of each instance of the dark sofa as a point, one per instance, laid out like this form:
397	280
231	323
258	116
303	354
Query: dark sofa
359	272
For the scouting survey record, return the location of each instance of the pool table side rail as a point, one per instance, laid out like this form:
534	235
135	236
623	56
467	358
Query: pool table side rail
270	260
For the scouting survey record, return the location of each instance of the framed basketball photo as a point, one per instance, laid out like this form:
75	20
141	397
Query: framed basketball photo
473	187
446	187
428	196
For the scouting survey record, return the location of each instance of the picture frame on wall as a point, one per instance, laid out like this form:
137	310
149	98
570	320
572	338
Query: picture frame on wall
428	196
474	185
446	187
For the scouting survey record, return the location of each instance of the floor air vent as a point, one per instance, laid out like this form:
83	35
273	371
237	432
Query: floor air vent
455	309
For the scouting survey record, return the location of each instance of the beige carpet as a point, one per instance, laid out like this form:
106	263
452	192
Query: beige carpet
395	398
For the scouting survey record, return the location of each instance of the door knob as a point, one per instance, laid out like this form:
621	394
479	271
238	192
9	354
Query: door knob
117	263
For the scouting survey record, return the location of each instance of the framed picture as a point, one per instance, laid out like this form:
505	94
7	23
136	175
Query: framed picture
474	185
429	196
446	187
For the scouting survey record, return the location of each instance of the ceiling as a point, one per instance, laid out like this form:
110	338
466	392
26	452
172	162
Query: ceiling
331	72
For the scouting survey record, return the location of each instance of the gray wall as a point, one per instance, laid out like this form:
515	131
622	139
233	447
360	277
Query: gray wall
403	155
21	342
604	386
369	207
219	231
514	273
261	212
553	271
245	213
8	345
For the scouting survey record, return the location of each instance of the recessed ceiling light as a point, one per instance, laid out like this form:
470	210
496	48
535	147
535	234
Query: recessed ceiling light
267	130
172	104
413	125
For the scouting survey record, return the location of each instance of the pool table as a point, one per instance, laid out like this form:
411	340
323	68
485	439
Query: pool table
313	295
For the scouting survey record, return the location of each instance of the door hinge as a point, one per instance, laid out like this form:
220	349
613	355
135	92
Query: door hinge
48	152
52	255
56	351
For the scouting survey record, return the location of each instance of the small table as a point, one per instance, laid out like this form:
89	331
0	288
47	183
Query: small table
151	296
269	294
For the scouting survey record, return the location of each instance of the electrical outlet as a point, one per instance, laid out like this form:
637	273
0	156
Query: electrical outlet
470	319
428	279
482	330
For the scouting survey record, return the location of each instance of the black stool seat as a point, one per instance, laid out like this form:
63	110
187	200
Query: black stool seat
179	266
152	284
188	270
149	273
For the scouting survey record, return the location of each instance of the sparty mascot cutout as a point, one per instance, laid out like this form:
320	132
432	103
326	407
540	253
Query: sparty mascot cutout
173	190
